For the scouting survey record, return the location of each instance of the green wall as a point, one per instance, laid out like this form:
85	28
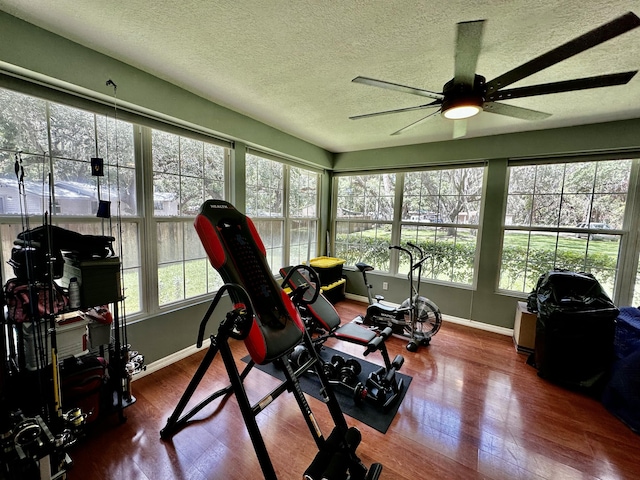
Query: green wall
31	53
485	304
37	55
584	139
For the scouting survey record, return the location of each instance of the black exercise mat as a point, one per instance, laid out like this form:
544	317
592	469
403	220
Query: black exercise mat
366	412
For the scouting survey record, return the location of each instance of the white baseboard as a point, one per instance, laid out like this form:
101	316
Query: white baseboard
479	325
185	352
166	361
449	318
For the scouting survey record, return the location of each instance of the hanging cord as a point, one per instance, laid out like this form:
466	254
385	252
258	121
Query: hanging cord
123	324
19	169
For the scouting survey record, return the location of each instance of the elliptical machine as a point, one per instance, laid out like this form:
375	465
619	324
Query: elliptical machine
417	317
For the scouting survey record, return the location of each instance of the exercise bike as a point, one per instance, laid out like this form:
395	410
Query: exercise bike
417	318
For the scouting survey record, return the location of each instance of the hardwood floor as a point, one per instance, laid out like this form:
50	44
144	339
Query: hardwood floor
474	410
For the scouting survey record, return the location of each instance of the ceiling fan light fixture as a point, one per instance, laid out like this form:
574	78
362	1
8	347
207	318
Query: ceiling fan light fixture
461	111
458	107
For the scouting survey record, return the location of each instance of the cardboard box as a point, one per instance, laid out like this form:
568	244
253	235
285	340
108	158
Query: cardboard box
524	329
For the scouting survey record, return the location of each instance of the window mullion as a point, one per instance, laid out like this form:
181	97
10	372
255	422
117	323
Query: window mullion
148	236
396	225
630	244
48	154
286	184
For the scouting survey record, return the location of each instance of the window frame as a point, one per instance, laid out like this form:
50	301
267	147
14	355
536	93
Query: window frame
628	234
97	226
396	222
381	223
181	219
285	222
141	124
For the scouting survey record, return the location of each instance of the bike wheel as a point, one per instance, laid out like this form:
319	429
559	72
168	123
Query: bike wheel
428	319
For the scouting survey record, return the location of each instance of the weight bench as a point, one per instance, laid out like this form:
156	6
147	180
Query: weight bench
264	317
321	318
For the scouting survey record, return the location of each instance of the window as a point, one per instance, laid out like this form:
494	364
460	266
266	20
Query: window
440	214
265	205
364	218
282	202
152	208
564	216
303	215
60	140
186	172
439	211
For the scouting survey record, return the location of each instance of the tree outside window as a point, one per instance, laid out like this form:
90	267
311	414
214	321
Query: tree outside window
60	141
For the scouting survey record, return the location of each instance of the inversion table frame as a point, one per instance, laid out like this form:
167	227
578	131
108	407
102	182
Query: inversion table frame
265	318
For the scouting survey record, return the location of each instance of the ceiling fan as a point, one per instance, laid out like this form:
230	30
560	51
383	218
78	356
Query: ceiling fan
468	93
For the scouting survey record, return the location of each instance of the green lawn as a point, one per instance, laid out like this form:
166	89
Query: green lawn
569	242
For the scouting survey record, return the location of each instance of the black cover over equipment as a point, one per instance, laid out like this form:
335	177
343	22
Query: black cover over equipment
574	330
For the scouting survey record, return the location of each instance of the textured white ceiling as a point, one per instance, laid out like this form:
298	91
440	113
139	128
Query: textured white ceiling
290	64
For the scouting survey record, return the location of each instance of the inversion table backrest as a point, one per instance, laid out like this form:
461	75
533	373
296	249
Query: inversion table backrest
236	251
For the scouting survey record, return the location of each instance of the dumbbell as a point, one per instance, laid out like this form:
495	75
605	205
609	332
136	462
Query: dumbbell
349	371
333	368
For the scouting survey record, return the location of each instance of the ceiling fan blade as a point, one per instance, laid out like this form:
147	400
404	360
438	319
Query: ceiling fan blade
564	86
459	128
468	44
398	110
599	35
411	125
513	111
397	87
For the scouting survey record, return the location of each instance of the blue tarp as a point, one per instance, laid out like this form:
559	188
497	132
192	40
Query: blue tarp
622	394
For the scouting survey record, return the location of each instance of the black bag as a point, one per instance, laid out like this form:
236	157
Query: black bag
35	263
61	239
